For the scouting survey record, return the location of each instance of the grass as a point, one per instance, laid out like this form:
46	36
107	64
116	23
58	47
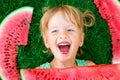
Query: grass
97	45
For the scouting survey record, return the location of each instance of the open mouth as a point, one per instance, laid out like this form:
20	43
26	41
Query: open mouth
64	47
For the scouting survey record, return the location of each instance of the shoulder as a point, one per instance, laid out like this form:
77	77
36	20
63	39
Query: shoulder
84	62
89	63
81	62
45	65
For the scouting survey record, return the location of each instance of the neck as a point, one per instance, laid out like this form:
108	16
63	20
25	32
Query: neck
63	64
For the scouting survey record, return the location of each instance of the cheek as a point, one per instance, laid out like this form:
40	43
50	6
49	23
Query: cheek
77	40
51	40
76	37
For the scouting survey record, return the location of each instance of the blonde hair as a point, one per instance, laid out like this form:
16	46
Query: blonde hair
77	17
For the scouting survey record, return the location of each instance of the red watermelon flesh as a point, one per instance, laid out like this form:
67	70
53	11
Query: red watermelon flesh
97	72
13	32
110	11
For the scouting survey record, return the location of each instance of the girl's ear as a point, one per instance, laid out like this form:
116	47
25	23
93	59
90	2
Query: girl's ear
46	41
82	39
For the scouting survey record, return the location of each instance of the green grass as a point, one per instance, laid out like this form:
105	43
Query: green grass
97	45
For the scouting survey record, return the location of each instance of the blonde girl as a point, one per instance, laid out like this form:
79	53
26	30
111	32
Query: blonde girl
62	29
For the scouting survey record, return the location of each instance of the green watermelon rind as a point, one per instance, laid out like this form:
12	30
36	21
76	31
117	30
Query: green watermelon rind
109	11
95	72
28	8
8	18
21	75
25	8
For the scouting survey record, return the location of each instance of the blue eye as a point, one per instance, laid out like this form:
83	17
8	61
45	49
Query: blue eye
70	30
54	31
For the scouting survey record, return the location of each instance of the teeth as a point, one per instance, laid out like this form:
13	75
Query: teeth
64	44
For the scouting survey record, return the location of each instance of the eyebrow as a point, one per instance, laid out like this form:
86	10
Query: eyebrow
63	25
53	26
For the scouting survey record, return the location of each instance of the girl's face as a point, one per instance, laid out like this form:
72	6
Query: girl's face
63	38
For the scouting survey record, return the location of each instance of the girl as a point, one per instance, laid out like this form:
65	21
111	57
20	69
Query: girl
62	30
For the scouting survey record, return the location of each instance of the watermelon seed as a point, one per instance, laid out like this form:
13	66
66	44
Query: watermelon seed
18	41
16	28
8	38
12	32
57	79
45	75
53	78
109	17
6	46
7	41
15	42
7	63
6	67
48	79
103	9
13	67
18	34
42	73
10	35
99	4
24	22
9	71
9	44
15	38
20	29
5	52
20	26
118	41
37	77
6	58
13	61
7	55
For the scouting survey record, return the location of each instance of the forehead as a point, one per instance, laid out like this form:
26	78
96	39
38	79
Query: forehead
59	19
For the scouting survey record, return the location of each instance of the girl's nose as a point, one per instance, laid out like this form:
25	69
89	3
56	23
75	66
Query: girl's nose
63	35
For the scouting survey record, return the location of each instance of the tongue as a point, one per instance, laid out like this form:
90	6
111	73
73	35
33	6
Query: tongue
64	49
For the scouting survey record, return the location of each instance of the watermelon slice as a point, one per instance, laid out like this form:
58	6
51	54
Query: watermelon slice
99	72
13	32
110	11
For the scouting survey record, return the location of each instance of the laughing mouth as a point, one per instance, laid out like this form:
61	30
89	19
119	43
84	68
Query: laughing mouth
64	47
